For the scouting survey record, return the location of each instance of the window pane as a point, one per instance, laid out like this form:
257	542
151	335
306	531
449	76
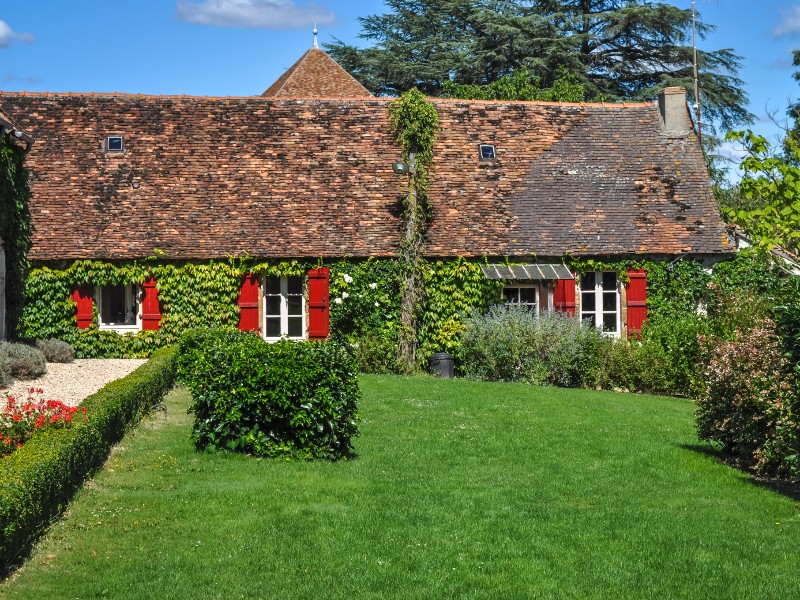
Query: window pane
527	295
294	285
511	294
609	280
589	320
610	301
295	305
587	281
274	327
273	305
272	285
113	301
295	327
588	302
610	322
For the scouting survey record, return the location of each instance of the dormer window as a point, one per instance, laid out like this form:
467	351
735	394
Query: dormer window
487	152
114	143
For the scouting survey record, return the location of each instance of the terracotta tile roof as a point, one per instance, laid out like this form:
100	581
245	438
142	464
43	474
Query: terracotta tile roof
210	177
316	75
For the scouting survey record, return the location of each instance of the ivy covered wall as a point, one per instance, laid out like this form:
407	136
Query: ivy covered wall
365	298
15	228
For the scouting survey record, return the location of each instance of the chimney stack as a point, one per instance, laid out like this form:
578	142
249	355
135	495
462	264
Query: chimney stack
674	112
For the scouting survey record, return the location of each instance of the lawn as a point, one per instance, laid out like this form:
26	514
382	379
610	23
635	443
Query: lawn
460	490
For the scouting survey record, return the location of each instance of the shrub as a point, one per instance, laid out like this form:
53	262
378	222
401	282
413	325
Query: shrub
635	366
376	354
290	399
23	361
512	343
56	351
732	311
6	379
749	407
672	357
38	480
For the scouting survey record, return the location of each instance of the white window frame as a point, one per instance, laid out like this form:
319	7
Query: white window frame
598	311
133	304
517	286
284	309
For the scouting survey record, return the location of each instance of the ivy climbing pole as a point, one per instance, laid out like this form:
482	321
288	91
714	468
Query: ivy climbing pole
415	122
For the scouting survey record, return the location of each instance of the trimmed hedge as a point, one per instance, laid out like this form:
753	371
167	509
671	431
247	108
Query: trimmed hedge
38	480
287	399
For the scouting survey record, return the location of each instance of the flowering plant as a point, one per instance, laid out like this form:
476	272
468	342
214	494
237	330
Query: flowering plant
19	421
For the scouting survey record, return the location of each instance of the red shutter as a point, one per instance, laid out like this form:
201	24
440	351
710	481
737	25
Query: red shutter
637	300
318	316
82	296
248	304
564	296
151	314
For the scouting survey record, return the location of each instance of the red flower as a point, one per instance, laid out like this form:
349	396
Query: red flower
17	418
84	409
7	441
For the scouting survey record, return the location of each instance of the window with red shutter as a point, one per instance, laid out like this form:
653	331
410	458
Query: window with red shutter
318	304
151	312
564	296
82	296
248	304
637	300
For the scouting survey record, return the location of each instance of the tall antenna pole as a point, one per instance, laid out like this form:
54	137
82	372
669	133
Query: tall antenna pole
696	79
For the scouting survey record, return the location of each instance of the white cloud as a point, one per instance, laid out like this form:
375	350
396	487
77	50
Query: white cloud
262	14
13	78
7	35
789	24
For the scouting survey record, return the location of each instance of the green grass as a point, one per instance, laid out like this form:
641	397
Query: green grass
460	490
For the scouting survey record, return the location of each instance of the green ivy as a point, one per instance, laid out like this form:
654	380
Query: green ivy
15	228
453	290
190	295
415	122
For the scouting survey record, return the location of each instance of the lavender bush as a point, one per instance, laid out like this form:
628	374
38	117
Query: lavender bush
512	343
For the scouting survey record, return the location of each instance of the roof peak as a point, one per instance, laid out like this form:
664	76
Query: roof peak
316	75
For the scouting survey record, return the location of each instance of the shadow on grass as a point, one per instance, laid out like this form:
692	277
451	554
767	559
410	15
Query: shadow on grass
787	488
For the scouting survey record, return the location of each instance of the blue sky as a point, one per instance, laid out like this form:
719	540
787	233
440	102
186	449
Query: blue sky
239	47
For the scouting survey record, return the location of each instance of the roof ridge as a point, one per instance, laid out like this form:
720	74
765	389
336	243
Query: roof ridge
323	98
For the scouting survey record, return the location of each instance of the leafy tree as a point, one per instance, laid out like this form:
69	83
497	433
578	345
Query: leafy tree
519	85
772	182
634	48
615	49
424	43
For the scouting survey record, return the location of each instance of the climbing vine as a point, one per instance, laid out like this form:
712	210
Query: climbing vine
415	122
15	228
453	290
190	294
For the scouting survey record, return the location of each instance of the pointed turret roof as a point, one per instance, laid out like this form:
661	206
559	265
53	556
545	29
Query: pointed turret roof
316	75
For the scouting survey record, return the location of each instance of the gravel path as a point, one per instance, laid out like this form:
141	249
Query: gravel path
72	382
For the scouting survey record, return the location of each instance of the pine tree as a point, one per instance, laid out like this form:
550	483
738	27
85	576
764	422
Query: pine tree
614	49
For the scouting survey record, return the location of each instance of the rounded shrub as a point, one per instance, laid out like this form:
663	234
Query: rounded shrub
56	351
23	361
288	399
749	407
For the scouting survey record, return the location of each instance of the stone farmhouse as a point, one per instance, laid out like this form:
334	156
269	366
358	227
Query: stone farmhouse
304	171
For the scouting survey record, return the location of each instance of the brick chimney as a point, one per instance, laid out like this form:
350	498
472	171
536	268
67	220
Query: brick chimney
674	111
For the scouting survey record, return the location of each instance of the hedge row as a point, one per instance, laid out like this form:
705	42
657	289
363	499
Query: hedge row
37	481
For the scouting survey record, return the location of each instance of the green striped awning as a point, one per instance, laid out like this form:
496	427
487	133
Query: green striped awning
530	271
